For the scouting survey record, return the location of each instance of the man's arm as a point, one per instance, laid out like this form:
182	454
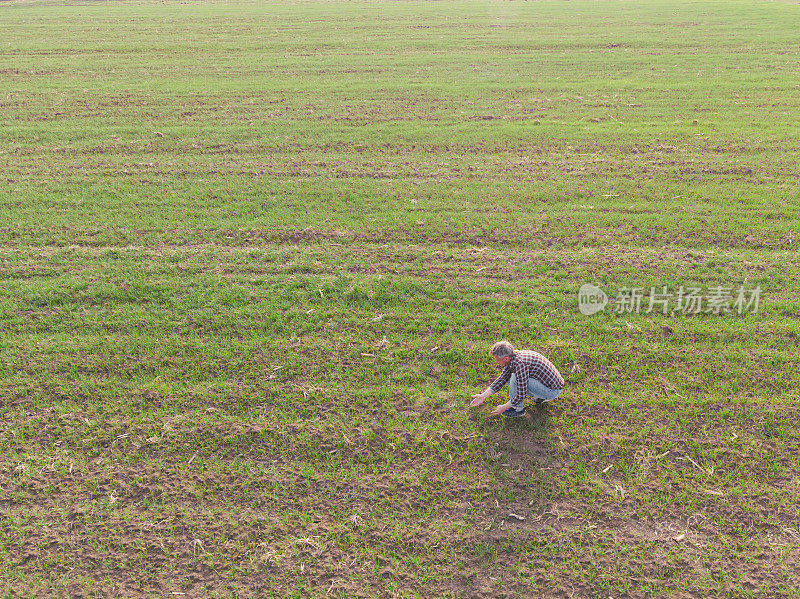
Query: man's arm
523	374
493	388
518	401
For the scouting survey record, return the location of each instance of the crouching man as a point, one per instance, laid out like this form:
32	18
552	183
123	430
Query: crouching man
528	373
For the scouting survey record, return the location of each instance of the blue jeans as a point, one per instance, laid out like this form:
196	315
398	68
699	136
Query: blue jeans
536	389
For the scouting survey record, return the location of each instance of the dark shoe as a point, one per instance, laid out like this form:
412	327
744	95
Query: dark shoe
542	401
512	413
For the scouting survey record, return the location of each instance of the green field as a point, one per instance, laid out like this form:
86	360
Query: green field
253	256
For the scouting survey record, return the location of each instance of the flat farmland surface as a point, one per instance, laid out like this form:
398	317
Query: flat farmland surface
253	256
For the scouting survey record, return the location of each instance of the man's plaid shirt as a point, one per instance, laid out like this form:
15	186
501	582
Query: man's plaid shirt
528	364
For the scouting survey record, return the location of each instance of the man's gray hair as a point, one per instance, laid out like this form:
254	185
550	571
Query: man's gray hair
501	349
